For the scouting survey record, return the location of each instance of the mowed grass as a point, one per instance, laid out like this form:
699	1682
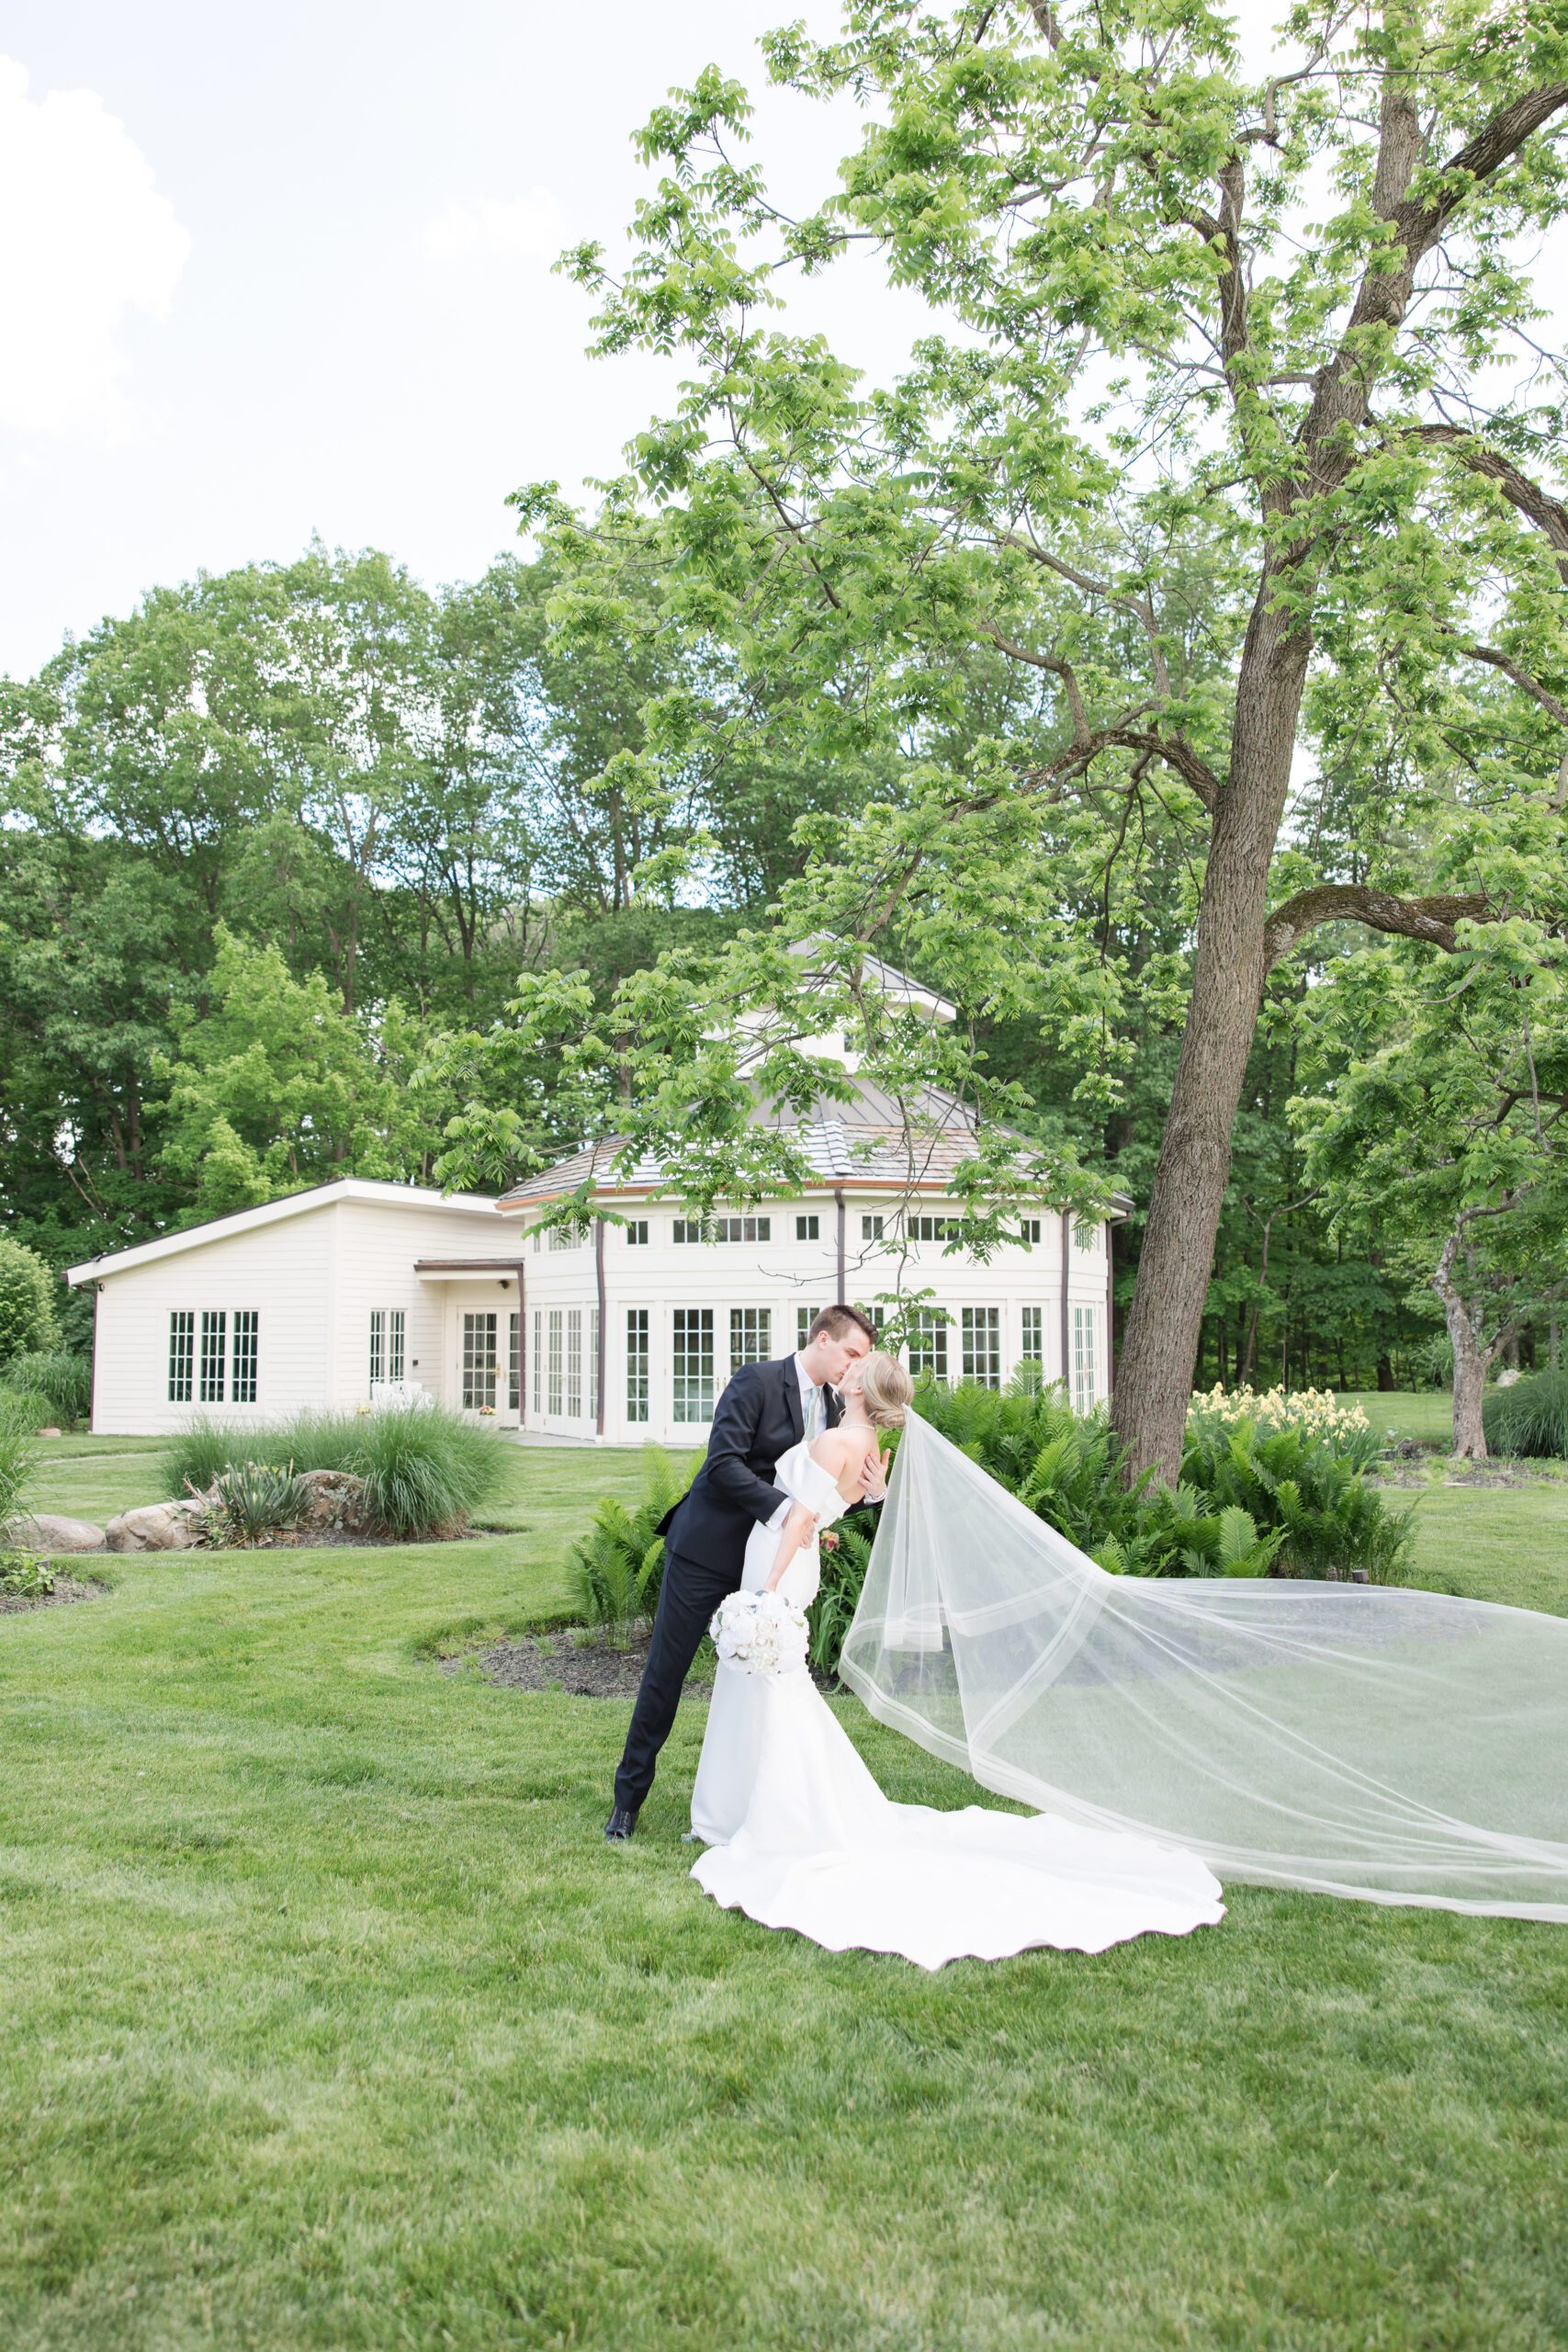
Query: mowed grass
331	2022
1425	1414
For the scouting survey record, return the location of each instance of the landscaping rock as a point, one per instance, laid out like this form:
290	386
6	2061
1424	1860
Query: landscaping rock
337	1504
46	1533
157	1527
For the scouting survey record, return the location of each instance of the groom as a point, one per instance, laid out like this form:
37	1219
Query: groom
765	1409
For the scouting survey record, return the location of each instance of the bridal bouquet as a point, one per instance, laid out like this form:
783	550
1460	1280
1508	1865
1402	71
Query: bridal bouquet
759	1632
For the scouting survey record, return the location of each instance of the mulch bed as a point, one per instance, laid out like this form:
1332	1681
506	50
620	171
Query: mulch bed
66	1591
581	1663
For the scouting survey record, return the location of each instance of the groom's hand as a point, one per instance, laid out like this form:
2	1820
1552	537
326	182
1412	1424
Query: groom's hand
874	1480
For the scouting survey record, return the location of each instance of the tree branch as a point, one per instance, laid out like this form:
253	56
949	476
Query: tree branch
1432	919
1549	515
1521	677
1174	750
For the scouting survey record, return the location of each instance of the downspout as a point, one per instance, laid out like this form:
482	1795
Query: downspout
521	1344
1066	1276
603	1317
838	1197
93	1407
1109	1307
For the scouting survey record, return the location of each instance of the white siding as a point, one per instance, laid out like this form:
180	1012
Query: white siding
312	1281
784	1274
283	1272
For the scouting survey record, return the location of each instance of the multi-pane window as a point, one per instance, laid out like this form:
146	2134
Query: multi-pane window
214	1350
247	1337
515	1363
723	1228
574	1364
637	1233
928	1343
636	1363
692	1362
478	1361
751	1335
1029	1230
555	1364
181	1355
932	1229
983	1345
1084	1382
538	1361
809	1227
1034	1348
386	1344
804	1319
569	1237
871	1228
594	1362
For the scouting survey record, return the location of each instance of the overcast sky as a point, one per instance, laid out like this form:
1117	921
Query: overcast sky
270	272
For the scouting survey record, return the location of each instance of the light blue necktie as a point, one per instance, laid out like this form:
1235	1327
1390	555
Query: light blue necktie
813	1415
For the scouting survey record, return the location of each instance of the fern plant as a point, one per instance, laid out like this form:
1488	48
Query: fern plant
619	1566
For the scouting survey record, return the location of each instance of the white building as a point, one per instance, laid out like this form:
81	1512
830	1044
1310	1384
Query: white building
622	1331
303	1302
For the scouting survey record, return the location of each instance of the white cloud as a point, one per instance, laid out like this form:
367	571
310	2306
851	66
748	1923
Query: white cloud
522	227
85	243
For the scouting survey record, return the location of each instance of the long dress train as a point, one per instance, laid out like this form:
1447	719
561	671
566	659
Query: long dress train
800	1836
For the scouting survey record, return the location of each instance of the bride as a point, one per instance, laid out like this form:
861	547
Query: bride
800	1836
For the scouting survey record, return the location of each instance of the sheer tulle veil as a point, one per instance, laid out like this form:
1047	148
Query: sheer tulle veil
1396	1745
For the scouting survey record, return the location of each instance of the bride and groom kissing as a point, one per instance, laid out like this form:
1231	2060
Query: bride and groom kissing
797	1832
718	1530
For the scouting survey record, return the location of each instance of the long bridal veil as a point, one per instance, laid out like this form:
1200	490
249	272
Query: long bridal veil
1359	1740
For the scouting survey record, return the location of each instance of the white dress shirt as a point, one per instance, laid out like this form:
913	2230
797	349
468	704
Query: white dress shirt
809	1390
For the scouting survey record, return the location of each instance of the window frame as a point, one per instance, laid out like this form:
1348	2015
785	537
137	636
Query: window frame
182	1356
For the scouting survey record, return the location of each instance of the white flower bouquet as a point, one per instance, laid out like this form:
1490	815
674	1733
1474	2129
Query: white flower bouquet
759	1632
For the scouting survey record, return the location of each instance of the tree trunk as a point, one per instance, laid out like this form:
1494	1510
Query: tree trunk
1470	1387
1161	1343
1470	1359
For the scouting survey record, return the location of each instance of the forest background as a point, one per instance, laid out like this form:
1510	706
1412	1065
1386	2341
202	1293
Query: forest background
309	871
279	843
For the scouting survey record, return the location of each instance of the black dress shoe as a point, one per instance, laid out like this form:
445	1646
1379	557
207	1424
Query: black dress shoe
622	1822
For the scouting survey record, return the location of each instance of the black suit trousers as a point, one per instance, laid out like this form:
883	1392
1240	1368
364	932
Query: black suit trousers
687	1599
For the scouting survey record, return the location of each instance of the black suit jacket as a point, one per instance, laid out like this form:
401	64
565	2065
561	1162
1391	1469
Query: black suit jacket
757	1418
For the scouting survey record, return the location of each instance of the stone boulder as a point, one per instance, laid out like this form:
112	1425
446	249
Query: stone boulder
337	1505
47	1532
157	1527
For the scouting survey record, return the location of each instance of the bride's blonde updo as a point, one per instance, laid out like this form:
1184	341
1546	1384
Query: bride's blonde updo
885	1389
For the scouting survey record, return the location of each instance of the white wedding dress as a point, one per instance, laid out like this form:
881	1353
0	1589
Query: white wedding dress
799	1835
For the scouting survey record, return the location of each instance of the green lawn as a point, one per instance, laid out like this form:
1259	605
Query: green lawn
1425	1414
330	2022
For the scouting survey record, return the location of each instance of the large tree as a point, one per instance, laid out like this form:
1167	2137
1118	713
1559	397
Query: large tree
1440	1134
1212	440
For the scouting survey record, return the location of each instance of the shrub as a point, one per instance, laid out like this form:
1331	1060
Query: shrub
251	1500
24	1579
1315	1412
63	1380
31	1405
1299	1488
27	1320
846	1551
425	1470
619	1566
1529	1419
1291	1492
19	1451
